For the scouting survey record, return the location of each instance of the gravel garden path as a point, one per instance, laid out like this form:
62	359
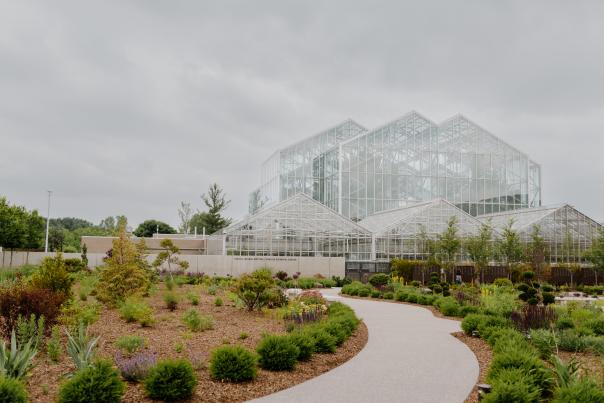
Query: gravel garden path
410	357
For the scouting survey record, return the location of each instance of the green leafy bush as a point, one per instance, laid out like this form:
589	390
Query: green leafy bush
12	391
470	323
513	385
364	292
32	329
277	353
324	342
582	391
544	341
490	324
171	301
233	364
595	344
596	325
136	310
527	362
197	322
96	383
171	380
564	322
53	276
305	344
376	294
502	337
548	298
130	343
254	289
388	295
448	306
503	282
379	279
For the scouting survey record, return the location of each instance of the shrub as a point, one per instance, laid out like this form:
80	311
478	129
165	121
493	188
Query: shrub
594	344
218	301
564	322
197	322
584	391
277	353
449	307
324	342
501	338
254	289
503	282
97	383
20	300
233	364
544	340
130	343
548	298
527	362
137	367
53	345
388	295
513	385
470	323
364	292
125	273
570	340
171	301
53	276
171	380
275	297
74	265
32	329
412	298
81	347
305	344
135	310
12	391
596	325
379	279
337	329
16	362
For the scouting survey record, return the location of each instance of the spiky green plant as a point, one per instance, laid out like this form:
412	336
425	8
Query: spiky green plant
16	362
565	373
81	347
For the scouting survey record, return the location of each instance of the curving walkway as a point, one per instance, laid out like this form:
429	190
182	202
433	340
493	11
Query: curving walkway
410	357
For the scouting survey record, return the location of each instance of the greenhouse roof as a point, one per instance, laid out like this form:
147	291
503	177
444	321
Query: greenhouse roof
522	218
298	213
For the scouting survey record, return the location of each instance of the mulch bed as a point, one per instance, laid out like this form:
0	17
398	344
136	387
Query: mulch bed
169	331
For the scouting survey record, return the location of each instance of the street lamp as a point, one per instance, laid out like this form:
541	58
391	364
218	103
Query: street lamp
47	221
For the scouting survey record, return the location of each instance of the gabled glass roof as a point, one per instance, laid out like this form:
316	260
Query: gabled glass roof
298	213
430	217
522	218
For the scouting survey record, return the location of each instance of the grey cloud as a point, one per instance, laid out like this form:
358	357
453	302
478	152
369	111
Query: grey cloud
130	107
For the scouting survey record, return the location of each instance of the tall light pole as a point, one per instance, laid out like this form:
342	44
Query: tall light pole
47	221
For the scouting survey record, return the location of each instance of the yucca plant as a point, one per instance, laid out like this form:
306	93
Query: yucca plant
17	362
566	374
81	347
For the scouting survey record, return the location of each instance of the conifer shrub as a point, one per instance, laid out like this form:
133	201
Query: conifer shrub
305	344
324	342
584	391
233	364
278	353
12	391
171	380
99	382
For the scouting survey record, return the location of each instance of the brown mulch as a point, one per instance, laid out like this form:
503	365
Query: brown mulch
169	331
591	365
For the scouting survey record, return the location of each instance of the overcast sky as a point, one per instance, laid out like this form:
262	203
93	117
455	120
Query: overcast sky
130	107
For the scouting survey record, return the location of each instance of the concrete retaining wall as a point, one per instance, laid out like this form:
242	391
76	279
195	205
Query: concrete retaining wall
214	265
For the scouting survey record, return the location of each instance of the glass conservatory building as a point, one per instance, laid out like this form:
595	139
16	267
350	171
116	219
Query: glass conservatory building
358	172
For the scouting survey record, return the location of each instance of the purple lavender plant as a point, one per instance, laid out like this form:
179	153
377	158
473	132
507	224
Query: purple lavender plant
137	367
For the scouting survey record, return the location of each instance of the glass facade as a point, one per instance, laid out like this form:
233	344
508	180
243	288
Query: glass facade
567	232
358	172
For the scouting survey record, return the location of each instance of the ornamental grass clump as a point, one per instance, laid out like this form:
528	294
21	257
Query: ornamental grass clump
544	341
130	343
278	353
233	364
135	310
96	383
171	380
533	317
584	391
526	361
513	385
171	301
197	322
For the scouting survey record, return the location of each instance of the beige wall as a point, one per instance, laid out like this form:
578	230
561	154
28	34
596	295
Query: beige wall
101	244
213	265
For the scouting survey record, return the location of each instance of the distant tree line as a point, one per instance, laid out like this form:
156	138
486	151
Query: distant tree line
24	229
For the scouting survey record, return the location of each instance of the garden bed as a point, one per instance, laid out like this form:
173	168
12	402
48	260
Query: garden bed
483	353
170	338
